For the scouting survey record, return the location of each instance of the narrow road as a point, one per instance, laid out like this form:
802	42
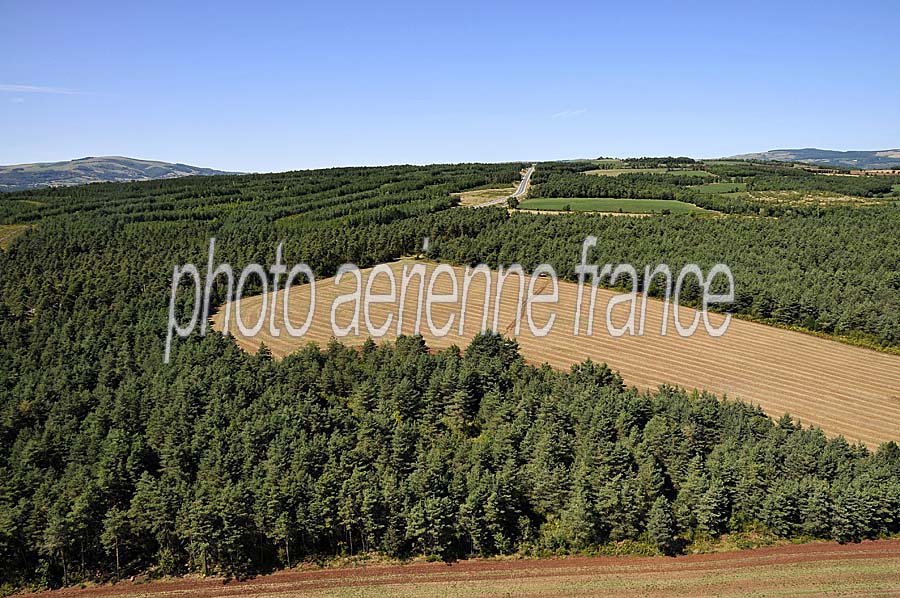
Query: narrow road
517	193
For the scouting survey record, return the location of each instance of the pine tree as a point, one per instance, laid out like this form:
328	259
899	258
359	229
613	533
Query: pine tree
712	510
116	528
661	526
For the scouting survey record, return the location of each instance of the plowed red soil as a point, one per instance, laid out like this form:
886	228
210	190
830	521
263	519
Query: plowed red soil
865	569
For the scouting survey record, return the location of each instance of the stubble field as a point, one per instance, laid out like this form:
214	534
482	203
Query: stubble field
480	196
841	388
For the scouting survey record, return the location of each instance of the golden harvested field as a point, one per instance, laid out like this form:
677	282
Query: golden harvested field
866	569
479	196
807	198
8	232
841	388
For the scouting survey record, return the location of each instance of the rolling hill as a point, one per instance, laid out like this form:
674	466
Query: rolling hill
878	159
93	170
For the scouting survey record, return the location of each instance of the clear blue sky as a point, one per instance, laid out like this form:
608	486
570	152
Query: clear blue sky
267	87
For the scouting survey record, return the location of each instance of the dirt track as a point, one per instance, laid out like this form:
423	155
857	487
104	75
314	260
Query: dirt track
866	569
843	389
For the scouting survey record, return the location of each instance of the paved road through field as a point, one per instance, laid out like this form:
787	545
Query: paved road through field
517	193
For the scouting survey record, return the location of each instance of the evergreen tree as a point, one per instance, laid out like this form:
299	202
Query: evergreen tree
661	526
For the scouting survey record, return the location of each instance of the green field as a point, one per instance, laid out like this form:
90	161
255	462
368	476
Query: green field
721	187
610	204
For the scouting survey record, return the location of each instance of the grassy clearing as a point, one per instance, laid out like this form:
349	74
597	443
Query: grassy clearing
609	204
479	196
8	232
721	187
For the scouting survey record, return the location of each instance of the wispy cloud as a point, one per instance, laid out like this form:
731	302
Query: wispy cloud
40	89
569	113
17	100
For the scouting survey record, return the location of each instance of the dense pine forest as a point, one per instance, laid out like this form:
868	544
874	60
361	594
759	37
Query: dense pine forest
112	462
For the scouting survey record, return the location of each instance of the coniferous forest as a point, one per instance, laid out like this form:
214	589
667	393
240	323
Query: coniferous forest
224	462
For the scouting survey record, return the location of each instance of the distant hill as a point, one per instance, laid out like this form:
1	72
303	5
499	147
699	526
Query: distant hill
876	160
93	170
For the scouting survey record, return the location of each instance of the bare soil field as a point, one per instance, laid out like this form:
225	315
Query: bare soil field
841	388
866	569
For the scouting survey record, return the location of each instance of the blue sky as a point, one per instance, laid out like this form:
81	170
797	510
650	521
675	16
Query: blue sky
278	86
